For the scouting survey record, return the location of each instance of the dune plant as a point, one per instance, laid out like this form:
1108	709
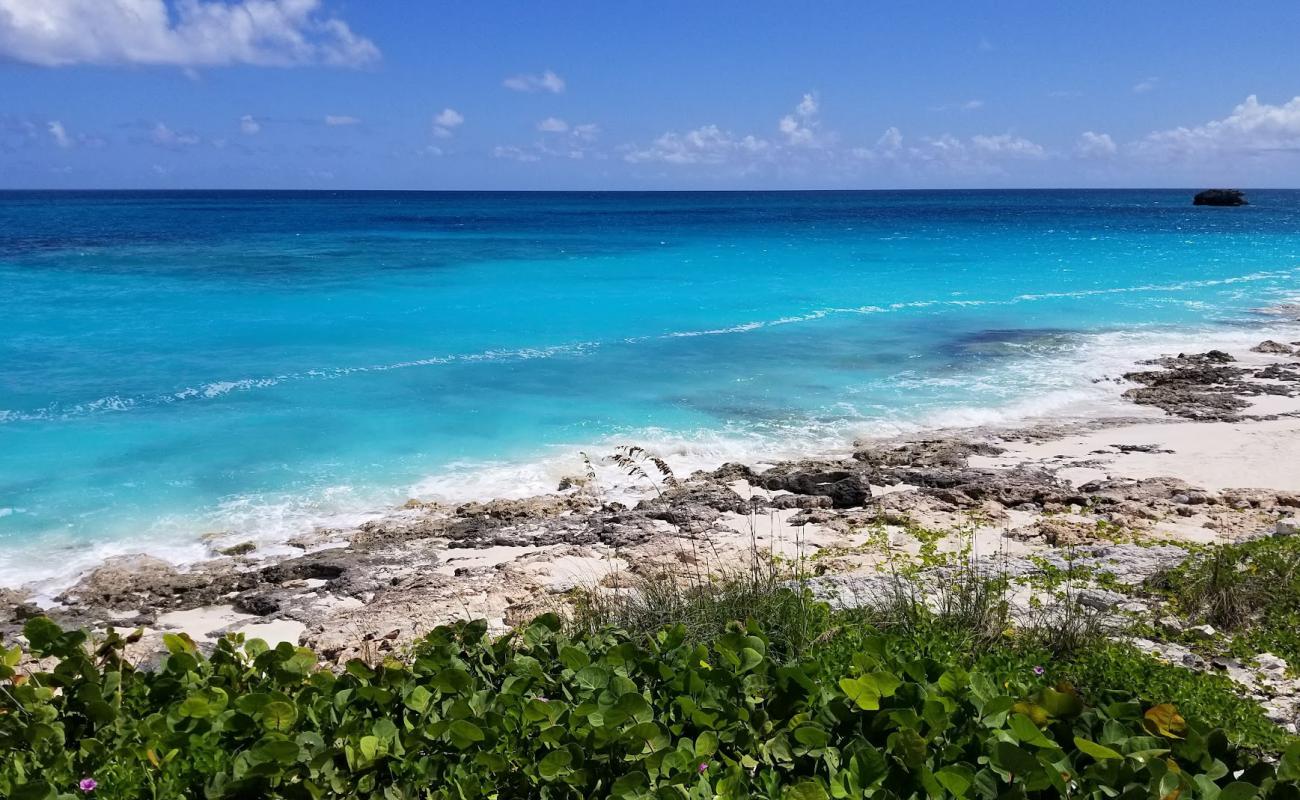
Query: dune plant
540	714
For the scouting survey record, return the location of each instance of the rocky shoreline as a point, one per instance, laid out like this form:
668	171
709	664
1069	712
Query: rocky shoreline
1098	487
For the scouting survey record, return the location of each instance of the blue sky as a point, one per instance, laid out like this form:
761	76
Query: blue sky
628	95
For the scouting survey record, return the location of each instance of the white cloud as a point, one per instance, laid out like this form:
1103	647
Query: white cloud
249	126
562	140
188	33
1145	85
968	105
800	128
1006	144
947	154
548	81
890	140
447	120
337	120
706	145
1095	145
164	136
513	153
587	132
1252	127
60	136
985	46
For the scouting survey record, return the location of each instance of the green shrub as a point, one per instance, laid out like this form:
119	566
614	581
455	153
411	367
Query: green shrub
772	596
1119	670
1250	589
539	714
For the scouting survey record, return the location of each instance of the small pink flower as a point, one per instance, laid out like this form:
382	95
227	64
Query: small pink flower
1039	670
87	784
703	768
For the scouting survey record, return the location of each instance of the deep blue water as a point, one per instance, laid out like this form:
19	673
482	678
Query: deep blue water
252	363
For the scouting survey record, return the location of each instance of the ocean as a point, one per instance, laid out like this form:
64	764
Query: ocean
184	368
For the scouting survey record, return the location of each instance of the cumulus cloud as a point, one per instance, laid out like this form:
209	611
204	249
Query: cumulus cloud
447	120
1095	145
800	128
249	126
562	140
1252	128
59	134
706	145
1145	85
512	153
981	154
1006	144
799	137
339	120
189	33
165	137
547	81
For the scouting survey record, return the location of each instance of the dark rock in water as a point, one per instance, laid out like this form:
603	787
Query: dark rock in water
1220	197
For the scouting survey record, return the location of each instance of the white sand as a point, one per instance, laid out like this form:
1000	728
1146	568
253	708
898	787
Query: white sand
1210	455
209	623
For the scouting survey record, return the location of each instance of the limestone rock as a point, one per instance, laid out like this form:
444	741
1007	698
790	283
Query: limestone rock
1273	348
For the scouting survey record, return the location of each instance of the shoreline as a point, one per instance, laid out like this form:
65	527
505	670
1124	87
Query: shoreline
385	582
274	524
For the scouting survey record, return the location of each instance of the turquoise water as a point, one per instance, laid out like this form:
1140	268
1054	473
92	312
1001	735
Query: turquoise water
256	363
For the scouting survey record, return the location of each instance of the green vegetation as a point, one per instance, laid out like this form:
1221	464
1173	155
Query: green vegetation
603	713
1249	590
739	685
1114	671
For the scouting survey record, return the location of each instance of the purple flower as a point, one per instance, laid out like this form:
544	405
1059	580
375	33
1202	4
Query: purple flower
703	768
87	784
1039	670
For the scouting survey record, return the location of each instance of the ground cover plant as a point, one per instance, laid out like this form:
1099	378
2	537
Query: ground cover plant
1250	591
546	713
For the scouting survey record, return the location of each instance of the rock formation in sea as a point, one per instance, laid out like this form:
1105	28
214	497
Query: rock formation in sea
1220	197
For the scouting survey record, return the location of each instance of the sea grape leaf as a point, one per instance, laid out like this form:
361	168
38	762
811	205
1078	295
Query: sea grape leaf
1165	720
813	736
464	733
1027	732
956	778
1288	769
1098	751
278	715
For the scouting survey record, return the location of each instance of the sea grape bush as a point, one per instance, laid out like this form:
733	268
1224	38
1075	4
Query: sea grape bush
539	714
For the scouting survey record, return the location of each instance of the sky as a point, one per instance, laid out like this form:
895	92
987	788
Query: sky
673	94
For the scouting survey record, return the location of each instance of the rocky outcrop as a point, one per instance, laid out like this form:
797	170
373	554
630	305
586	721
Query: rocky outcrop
1206	386
1220	197
1273	348
846	487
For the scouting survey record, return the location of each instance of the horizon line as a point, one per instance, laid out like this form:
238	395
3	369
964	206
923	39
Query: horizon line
319	190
